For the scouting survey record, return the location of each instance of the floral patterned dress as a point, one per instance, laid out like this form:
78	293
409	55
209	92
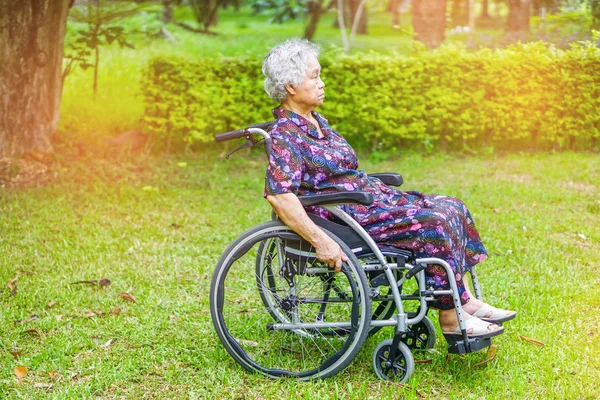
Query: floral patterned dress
430	225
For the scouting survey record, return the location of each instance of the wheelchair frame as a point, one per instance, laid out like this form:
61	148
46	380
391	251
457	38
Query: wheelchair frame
406	267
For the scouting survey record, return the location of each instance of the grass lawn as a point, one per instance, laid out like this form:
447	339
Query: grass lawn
155	228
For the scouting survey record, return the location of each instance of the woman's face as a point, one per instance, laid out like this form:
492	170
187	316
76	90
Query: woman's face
310	92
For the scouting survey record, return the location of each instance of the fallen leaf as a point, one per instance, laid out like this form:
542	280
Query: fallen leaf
23	272
20	371
42	385
51	304
52	375
15	353
115	311
426	361
175	225
536	342
12	285
104	282
491	354
92	314
88	282
127	297
250	343
401	385
33	317
34	331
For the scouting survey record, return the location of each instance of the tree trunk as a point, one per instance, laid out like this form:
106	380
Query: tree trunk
518	16
459	13
471	16
485	13
362	22
595	8
394	6
350	10
315	10
429	21
206	12
167	14
32	36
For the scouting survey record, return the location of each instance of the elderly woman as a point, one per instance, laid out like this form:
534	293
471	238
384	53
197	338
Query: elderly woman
309	157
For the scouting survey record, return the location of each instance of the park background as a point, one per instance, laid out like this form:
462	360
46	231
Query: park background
111	225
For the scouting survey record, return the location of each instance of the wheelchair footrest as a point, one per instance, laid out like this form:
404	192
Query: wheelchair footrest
456	345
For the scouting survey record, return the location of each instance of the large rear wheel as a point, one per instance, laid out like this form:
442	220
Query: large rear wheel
280	311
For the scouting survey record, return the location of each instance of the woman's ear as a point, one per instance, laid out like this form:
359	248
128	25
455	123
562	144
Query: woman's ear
290	89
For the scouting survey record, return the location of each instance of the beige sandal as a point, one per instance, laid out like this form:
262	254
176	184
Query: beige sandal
478	327
498	315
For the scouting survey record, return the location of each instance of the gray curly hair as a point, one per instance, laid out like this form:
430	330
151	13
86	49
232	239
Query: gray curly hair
285	64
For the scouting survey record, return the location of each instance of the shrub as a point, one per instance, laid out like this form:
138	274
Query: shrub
525	96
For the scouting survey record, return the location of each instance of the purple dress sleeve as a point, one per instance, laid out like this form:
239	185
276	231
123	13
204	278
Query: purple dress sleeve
284	172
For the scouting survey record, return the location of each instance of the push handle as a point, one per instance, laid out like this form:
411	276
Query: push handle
222	137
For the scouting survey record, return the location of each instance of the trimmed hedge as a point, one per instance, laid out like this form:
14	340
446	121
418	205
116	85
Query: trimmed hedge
525	96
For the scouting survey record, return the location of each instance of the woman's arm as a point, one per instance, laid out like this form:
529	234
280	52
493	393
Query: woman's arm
290	211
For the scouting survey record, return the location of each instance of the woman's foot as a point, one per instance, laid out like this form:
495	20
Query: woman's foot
486	312
475	326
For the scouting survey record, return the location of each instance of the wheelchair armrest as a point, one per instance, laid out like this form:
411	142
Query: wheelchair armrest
389	178
364	198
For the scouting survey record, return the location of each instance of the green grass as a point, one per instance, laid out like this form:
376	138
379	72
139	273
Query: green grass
155	227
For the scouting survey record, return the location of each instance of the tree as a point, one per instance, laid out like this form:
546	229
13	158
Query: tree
206	13
429	21
485	14
595	8
458	14
355	14
99	16
518	16
32	34
285	10
315	10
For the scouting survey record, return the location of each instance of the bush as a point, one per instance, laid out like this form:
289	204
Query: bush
526	96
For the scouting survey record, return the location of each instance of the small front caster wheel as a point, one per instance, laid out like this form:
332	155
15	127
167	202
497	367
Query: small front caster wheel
420	336
399	369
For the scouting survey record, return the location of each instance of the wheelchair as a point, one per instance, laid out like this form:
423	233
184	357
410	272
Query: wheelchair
279	311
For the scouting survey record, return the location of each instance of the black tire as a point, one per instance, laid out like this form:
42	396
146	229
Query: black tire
247	303
399	369
420	336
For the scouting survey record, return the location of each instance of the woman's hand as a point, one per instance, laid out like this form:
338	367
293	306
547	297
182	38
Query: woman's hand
290	210
330	253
